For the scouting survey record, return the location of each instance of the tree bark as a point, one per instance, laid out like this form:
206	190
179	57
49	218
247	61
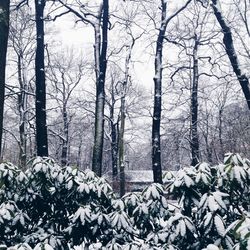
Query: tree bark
194	143
121	143
114	139
156	137
220	132
41	126
4	33
230	50
22	105
65	144
123	117
100	55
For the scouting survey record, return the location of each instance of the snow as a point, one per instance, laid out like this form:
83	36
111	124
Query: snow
139	176
211	247
145	176
218	198
208	218
69	184
212	204
188	181
182	228
219	225
208	212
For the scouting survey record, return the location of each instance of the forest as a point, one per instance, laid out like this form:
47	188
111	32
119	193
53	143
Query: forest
90	90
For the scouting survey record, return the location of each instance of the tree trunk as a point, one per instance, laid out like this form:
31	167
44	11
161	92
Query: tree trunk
65	144
22	105
121	143
220	133
123	117
79	153
114	150
230	50
114	139
156	137
208	143
194	143
100	56
4	33
41	126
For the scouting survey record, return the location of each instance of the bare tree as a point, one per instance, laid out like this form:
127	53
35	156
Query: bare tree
22	42
65	75
101	57
198	40
124	87
156	138
99	22
41	125
114	123
4	31
194	143
230	50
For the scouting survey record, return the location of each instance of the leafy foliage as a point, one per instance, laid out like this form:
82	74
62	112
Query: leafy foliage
49	207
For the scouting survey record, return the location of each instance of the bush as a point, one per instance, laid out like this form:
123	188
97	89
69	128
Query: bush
49	207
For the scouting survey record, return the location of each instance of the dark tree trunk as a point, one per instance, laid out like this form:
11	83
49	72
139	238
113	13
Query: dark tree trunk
41	126
79	152
208	143
22	105
65	144
4	33
194	142
114	150
230	50
220	133
100	91
156	137
114	139
121	146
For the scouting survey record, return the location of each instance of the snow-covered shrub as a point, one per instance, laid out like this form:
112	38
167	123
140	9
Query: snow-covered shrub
213	198
49	207
51	204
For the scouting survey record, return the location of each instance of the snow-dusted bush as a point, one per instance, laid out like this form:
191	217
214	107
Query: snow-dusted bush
51	204
49	207
216	199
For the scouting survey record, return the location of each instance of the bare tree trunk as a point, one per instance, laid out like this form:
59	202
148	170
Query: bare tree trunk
121	142
123	117
65	144
114	149
207	142
156	137
230	50
114	136
4	33
220	133
41	126
22	105
100	55
194	143
79	153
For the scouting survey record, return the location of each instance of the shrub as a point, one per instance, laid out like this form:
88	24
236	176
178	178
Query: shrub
49	207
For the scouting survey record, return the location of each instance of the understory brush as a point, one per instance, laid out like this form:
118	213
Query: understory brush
50	207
